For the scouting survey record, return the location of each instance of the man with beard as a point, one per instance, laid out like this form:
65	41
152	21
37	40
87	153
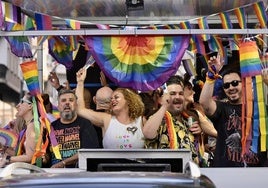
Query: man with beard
226	115
159	129
72	131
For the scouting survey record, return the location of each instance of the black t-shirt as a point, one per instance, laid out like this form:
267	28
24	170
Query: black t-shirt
71	137
227	122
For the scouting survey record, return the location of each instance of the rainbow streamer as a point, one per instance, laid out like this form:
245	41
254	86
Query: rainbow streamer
30	75
187	25
250	63
260	125
140	62
43	21
74	24
8	138
225	20
241	17
215	44
260	13
173	142
203	24
12	12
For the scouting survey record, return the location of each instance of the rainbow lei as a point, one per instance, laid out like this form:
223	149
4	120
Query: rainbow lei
173	142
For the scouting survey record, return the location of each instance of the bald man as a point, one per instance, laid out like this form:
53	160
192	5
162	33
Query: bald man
102	99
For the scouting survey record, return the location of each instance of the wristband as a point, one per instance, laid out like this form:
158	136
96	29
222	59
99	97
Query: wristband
60	88
8	158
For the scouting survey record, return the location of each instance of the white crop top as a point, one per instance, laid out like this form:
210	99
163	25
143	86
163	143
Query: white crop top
121	136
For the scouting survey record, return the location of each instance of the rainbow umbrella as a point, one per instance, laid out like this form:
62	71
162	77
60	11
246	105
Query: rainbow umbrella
139	62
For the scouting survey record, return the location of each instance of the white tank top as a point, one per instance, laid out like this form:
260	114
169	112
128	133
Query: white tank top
121	136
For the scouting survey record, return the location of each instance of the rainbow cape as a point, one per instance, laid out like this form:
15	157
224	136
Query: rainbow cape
139	62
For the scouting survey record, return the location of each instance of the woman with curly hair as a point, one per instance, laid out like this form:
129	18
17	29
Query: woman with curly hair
123	127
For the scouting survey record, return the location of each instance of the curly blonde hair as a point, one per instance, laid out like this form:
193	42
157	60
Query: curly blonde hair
134	101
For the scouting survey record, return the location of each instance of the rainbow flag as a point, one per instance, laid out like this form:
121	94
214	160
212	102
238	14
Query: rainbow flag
74	24
12	13
241	17
250	63
61	49
43	21
260	13
19	45
29	23
225	20
203	24
8	138
139	62
30	75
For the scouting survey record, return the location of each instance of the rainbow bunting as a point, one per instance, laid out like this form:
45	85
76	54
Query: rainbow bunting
19	45
8	138
30	75
241	17
61	49
250	63
140	62
199	44
43	21
74	24
29	24
260	13
203	24
225	20
12	13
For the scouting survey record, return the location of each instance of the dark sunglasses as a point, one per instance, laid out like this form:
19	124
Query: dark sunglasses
233	83
25	101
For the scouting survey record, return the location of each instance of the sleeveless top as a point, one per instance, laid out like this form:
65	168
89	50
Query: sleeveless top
121	136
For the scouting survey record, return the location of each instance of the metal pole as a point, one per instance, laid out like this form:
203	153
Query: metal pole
40	66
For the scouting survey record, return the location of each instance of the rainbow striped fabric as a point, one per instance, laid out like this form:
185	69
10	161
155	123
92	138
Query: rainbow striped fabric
250	63
139	62
30	75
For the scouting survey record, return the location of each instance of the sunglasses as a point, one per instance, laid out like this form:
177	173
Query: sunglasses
25	101
234	83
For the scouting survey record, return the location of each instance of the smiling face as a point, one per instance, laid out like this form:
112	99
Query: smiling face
233	87
67	105
176	93
118	102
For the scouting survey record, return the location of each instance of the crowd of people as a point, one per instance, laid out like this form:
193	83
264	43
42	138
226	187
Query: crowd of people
127	119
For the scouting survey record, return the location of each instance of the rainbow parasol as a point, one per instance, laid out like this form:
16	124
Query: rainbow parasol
138	62
8	138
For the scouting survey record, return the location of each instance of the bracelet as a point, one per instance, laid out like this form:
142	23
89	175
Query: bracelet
8	159
63	162
60	88
209	80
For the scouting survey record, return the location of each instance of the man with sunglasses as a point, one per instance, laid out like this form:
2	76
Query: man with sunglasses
226	115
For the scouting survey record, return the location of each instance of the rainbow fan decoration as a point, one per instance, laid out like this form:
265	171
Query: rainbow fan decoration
8	138
139	62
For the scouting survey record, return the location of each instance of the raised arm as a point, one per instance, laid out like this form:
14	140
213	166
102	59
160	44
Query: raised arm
152	124
206	96
97	118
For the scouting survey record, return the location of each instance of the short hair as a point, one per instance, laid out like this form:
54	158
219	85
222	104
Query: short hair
66	91
175	79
